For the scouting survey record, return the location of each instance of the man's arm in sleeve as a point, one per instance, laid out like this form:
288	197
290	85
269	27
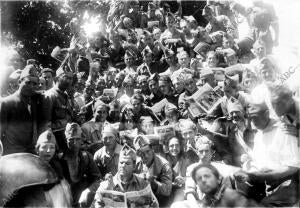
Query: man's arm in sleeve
46	111
165	182
93	174
273	176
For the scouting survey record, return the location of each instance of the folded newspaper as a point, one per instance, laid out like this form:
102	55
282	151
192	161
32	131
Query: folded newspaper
204	101
165	132
143	198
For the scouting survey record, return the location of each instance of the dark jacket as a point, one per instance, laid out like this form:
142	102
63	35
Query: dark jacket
19	127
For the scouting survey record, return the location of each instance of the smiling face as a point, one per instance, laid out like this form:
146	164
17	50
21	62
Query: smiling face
174	146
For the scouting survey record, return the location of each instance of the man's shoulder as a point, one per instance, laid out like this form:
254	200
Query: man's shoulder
162	161
88	124
13	98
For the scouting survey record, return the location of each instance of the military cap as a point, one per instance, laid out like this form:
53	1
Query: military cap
46	137
73	130
109	129
140	141
170	108
99	104
127	152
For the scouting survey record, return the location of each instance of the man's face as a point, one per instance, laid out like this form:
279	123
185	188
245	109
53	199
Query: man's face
88	92
129	87
190	85
237	116
231	60
129	61
65	81
260	51
148	40
148	127
170	60
212	60
267	73
179	86
126	167
114	113
46	151
156	34
28	86
174	147
74	143
188	134
109	140
206	180
170	22
283	105
101	114
249	83
260	119
49	79
153	86
184	61
172	117
219	76
148	58
137	105
226	43
204	153
164	87
185	27
143	84
100	85
147	155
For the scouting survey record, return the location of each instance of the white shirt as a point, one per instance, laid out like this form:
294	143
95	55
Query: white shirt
273	148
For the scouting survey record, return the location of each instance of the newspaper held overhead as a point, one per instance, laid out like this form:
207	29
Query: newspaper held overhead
143	198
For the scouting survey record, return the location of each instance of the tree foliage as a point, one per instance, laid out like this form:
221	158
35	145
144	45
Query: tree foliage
36	27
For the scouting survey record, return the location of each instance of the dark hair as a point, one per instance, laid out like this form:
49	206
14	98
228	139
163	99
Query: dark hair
209	166
138	97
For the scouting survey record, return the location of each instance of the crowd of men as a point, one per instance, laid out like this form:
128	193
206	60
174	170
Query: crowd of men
93	119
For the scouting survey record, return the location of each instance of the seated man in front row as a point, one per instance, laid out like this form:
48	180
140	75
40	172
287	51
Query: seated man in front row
125	180
155	169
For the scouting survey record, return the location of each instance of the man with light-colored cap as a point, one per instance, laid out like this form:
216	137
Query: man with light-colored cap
153	168
170	58
46	145
57	109
79	168
107	157
20	122
125	179
275	159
